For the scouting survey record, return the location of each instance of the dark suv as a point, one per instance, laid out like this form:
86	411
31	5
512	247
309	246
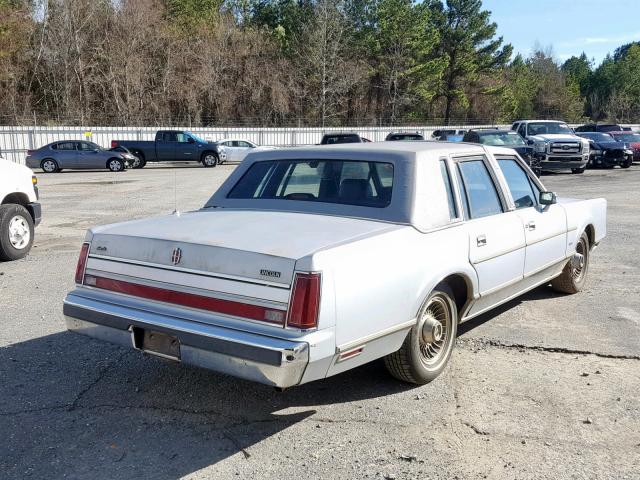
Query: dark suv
339	137
504	138
404	137
599	127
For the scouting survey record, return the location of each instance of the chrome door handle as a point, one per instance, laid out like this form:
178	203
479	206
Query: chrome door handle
531	225
482	240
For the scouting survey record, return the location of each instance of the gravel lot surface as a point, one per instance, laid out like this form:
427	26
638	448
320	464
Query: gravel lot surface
546	386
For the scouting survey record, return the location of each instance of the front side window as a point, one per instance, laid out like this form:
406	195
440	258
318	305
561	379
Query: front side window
519	184
88	146
482	196
367	184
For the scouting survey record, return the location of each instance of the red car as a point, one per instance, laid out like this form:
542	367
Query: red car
630	138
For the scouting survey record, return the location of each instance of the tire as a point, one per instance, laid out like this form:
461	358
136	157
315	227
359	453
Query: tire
16	232
626	164
421	360
577	170
115	165
210	159
139	161
49	165
574	275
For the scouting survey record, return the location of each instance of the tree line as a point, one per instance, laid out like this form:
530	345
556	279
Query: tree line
290	62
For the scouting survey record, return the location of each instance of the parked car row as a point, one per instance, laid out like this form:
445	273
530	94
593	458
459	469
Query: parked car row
168	146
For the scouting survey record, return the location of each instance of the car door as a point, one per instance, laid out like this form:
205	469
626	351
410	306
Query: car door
231	150
186	147
66	154
166	146
243	148
88	157
545	227
496	236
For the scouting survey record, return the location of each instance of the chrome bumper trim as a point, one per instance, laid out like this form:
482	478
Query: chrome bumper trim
259	358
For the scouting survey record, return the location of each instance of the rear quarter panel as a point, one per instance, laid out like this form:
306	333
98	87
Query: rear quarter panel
380	282
582	213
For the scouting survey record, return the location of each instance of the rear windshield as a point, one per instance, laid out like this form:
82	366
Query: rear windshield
367	184
407	137
341	139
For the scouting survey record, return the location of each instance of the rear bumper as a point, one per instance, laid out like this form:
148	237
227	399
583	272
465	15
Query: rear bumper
267	360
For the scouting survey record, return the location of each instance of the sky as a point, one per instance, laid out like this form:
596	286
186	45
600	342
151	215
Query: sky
571	27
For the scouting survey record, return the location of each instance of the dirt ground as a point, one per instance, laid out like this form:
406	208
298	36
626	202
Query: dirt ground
545	387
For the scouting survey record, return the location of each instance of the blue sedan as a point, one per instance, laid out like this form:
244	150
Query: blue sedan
76	154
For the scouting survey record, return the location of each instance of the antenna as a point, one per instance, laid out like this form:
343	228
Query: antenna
175	194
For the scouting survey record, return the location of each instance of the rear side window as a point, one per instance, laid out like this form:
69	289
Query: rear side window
482	196
367	184
519	183
448	187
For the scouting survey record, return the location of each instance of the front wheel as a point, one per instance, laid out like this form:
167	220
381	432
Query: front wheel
427	348
574	274
115	165
138	160
16	232
210	159
627	163
577	170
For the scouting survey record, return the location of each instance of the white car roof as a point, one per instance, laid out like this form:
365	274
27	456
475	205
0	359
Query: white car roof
419	197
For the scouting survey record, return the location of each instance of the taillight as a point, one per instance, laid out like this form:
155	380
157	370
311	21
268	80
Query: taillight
82	263
305	301
30	152
114	143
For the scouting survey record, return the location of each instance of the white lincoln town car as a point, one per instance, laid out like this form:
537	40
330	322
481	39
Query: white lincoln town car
311	261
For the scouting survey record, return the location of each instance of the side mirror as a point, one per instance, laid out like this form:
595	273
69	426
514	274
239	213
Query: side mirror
547	198
95	150
530	142
190	140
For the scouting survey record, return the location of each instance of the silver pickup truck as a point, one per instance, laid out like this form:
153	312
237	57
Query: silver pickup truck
555	145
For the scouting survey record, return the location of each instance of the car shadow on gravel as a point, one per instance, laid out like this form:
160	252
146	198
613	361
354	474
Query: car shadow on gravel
75	407
543	292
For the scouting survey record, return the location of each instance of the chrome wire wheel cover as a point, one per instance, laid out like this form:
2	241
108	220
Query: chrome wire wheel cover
19	233
49	166
434	331
115	165
209	160
578	261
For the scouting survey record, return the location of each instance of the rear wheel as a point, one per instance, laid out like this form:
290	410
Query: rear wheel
427	348
627	163
49	165
209	159
16	232
574	275
115	165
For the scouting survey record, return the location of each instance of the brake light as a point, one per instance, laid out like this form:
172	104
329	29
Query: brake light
82	263
305	301
114	143
30	152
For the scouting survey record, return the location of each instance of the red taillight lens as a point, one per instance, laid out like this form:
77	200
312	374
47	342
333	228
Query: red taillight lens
82	263
305	301
114	143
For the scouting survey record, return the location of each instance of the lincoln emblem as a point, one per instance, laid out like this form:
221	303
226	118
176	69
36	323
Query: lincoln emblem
176	256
